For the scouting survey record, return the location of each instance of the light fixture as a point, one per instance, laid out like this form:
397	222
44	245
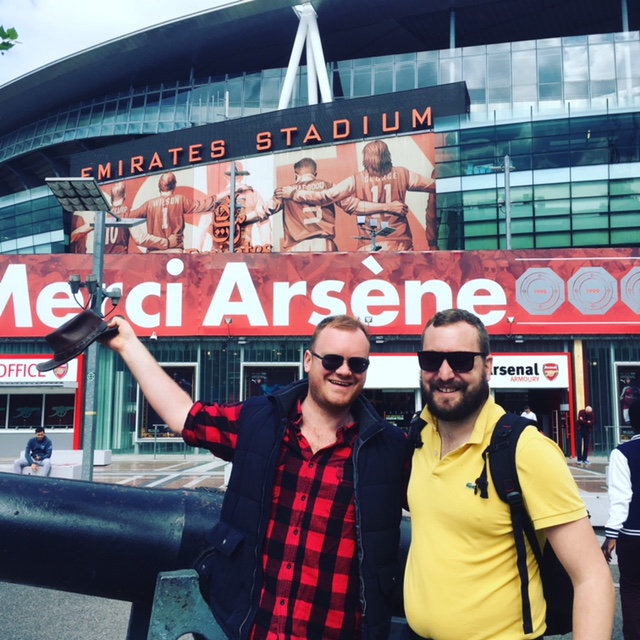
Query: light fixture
153	336
379	340
519	339
373	230
242	341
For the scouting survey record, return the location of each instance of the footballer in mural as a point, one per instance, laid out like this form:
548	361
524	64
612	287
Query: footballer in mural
370	195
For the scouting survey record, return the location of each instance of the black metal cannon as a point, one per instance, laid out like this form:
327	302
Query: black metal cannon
124	543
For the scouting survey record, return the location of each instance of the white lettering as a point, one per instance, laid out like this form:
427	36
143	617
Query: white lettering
56	296
283	294
15	287
134	303
321	298
173	306
483	293
414	292
364	299
235	276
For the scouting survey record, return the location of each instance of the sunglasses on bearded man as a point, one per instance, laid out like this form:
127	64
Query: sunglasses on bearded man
459	361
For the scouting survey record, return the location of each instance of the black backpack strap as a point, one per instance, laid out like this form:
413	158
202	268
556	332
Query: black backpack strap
501	456
415	429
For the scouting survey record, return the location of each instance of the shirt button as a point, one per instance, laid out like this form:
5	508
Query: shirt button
311	465
295	532
303	498
282	603
289	565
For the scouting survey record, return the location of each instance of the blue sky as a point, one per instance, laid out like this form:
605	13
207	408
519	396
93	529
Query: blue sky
53	29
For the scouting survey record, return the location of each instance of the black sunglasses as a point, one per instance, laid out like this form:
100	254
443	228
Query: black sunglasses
459	361
333	361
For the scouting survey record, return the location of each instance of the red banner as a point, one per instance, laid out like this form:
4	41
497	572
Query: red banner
582	291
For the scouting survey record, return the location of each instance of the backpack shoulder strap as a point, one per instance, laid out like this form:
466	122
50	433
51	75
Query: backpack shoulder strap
501	457
415	429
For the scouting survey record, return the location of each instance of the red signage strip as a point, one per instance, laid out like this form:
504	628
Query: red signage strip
543	292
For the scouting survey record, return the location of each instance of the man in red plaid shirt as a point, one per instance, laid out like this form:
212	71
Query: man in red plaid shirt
307	542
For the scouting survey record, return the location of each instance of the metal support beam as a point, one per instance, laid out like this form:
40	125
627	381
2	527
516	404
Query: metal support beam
316	66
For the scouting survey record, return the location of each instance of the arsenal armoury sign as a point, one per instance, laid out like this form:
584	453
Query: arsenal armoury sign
531	371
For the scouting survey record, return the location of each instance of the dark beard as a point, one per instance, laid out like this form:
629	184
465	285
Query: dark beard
471	403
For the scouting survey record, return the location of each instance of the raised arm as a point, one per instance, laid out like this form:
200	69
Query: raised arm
170	401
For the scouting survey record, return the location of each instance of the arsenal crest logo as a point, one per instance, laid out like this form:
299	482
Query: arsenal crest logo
61	371
551	371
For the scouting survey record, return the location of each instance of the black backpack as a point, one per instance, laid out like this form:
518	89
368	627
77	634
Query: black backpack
558	589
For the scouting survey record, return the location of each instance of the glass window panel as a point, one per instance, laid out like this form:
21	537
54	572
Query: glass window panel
625	238
447	169
628	220
576	90
590	238
473	198
623	187
545	208
362	83
524	210
628	203
480	244
271	92
556	239
498	70
59	411
589	221
575	64
427	73
626	54
551	160
450	70
479	229
549	66
525	93
585	189
25	410
551	128
405	77
601	62
383	80
552	224
499	95
551	192
521	227
475	72
4	398
551	91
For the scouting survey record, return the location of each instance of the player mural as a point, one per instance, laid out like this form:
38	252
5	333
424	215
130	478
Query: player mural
321	199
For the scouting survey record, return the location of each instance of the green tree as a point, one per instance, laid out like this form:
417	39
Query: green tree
8	38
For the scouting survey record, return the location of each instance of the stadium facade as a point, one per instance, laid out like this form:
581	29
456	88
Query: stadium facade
514	125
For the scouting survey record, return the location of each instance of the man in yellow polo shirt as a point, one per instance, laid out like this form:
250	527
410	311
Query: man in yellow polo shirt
462	580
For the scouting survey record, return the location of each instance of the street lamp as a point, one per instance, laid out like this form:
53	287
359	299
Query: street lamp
507	168
373	231
84	194
234	173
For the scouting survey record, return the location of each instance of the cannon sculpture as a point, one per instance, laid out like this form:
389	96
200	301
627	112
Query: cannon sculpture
133	544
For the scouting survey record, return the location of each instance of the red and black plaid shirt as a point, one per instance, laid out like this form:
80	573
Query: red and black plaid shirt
310	559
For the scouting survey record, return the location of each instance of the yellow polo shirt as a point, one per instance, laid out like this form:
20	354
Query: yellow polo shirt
462	579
